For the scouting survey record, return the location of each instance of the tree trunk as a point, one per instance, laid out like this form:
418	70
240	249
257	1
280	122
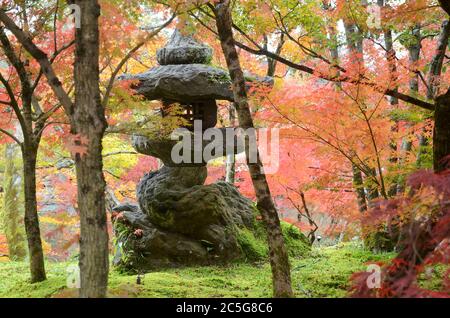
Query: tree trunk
359	188
271	63
437	62
13	211
441	134
355	46
414	56
445	5
279	260
372	188
231	158
391	59
90	124
37	267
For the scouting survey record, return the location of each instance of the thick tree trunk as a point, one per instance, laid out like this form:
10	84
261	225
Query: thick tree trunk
37	267
90	124
441	134
433	82
445	4
279	260
437	62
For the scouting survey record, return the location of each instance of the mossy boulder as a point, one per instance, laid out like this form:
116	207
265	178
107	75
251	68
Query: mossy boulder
209	224
181	226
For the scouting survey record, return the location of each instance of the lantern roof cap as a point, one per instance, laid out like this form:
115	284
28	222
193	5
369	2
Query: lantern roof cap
184	75
184	82
183	49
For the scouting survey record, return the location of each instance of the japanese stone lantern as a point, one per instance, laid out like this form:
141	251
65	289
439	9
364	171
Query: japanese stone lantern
180	220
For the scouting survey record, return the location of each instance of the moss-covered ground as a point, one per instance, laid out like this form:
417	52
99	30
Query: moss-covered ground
324	272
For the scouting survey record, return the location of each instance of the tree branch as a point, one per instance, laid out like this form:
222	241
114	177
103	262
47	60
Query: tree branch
120	153
10	135
336	78
42	59
52	59
128	56
13	101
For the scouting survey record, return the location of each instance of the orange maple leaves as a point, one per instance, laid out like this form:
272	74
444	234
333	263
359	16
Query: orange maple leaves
77	144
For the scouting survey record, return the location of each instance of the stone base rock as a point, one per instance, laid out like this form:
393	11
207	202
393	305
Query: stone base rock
178	227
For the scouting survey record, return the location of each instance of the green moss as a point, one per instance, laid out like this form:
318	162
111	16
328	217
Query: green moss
296	242
15	277
219	78
324	273
254	243
252	247
433	277
380	240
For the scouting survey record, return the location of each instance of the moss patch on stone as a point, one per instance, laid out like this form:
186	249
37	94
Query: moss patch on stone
254	248
254	243
296	242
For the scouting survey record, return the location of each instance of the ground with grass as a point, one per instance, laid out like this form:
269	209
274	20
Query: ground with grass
324	272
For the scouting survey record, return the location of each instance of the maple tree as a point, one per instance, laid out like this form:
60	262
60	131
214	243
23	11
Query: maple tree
81	145
32	118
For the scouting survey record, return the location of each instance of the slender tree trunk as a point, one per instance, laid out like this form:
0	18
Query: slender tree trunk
279	260
37	267
355	46
372	191
391	59
29	149
334	52
90	124
357	175
414	56
13	210
271	63
359	188
231	158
